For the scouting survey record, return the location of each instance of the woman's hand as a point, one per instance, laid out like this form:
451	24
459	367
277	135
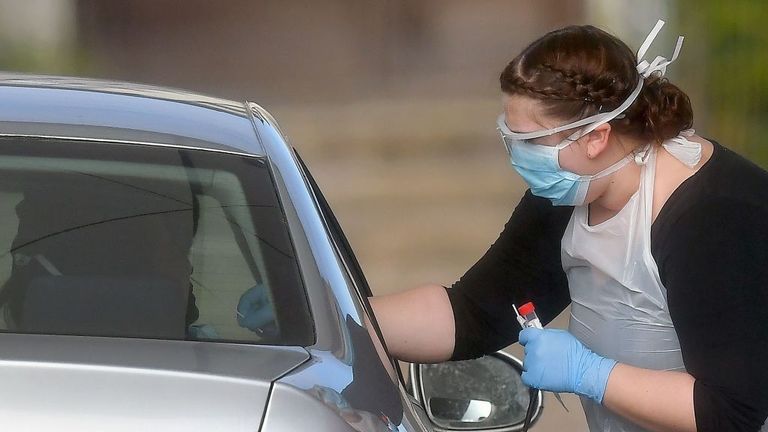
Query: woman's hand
255	310
656	400
556	361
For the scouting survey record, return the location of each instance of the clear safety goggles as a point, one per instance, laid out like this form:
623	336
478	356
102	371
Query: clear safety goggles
511	138
645	69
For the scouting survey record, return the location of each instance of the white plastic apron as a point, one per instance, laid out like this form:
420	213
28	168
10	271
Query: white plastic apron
618	303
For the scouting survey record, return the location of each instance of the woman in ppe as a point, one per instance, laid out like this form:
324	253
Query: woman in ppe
655	236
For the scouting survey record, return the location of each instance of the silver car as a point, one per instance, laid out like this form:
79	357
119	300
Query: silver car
169	264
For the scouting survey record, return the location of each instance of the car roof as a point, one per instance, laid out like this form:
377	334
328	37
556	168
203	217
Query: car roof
102	110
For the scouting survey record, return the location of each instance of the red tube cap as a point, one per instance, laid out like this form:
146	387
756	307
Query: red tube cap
526	308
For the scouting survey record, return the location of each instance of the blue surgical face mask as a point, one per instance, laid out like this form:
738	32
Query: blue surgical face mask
538	165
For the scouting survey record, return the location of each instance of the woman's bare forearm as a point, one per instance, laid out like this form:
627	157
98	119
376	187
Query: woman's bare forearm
417	324
656	400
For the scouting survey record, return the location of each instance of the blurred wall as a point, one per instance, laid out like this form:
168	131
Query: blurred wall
313	52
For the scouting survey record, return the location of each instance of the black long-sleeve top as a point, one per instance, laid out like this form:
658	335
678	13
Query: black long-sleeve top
710	242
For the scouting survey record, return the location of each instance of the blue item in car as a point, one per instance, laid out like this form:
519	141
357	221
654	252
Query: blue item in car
254	310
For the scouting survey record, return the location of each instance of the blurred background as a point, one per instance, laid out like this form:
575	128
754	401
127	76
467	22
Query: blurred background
392	103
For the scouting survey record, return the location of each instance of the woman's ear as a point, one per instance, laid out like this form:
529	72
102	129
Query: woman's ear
597	140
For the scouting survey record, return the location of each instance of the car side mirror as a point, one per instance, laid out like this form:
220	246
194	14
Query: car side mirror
474	395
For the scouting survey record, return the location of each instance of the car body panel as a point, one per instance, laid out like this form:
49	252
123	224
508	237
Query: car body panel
94	109
110	384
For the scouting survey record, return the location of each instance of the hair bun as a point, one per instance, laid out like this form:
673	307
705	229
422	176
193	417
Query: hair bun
662	109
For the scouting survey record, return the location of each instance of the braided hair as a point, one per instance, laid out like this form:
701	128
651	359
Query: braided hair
578	71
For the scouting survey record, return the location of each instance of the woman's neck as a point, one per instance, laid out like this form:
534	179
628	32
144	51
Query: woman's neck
619	186
622	185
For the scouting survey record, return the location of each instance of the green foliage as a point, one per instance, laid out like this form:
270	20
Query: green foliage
729	72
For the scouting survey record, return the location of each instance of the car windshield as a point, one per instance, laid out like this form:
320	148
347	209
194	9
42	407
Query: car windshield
118	240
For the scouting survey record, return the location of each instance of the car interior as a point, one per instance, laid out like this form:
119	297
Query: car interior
136	249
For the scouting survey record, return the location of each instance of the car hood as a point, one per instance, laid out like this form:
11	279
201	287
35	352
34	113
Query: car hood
69	383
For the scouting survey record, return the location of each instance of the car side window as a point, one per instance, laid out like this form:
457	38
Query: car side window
143	241
348	256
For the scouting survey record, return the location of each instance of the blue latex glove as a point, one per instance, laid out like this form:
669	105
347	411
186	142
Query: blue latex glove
203	331
556	361
254	310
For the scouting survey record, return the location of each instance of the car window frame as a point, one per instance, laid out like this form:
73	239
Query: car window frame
348	258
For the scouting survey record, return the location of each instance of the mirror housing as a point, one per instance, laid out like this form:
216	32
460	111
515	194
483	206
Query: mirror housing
475	395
